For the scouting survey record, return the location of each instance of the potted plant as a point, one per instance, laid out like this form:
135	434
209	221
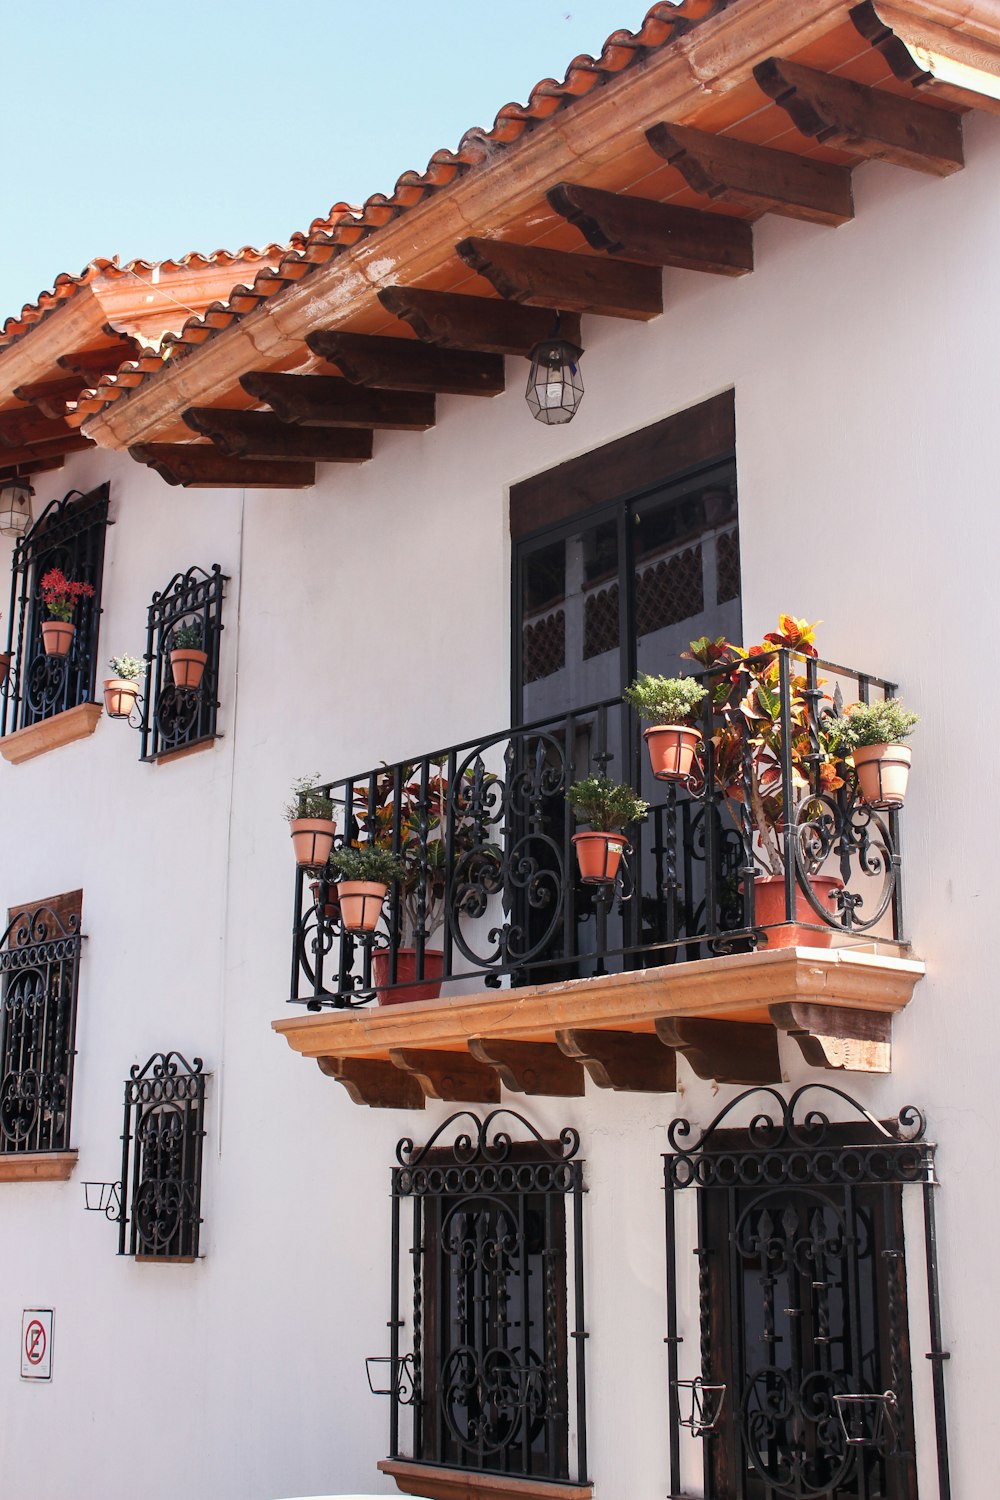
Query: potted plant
121	689
187	659
310	817
363	874
60	596
667	704
873	733
747	745
609	807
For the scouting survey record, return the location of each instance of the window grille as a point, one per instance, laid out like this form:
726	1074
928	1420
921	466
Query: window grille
727	566
489	1380
176	712
39	965
162	1142
803	1385
69	534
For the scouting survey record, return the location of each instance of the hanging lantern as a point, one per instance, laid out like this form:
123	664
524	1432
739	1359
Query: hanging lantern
15	507
555	385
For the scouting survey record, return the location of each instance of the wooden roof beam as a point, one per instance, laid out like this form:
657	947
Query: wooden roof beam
35	466
576	283
24	426
757	177
408	365
656	234
326	401
73	442
94	362
258	434
50	396
867	121
200	466
453	321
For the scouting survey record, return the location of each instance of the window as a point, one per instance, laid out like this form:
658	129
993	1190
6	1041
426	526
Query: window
183	631
39	965
161	1170
495	1222
69	534
805	1382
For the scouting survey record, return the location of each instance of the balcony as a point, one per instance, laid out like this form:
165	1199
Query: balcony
493	962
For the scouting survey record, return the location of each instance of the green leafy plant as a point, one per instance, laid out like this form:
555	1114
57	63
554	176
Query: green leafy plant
608	806
128	668
888	722
665	700
308	800
186	638
367	862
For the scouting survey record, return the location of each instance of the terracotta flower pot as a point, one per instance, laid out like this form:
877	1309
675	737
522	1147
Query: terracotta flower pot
119	696
57	637
312	839
331	906
406	973
4	666
599	855
883	771
671	750
769	910
188	667
360	904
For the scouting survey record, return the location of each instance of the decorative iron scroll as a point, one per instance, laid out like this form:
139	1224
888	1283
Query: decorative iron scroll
803	1295
174	715
39	967
487	1376
69	534
162	1142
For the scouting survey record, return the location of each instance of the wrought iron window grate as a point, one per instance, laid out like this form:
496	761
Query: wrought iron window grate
177	712
162	1143
39	965
803	1331
69	534
494	1379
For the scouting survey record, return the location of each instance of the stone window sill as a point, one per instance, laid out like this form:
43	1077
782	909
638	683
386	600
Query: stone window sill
432	1483
48	734
37	1166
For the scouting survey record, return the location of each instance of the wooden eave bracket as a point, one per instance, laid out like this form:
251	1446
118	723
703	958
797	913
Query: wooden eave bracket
857	1041
937	59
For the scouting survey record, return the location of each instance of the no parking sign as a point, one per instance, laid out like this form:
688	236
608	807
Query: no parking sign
36	1343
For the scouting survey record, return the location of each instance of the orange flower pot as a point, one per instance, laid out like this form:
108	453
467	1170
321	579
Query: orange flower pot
360	904
57	637
312	839
769	910
188	667
599	855
883	771
119	696
672	750
4	666
331	906
406	973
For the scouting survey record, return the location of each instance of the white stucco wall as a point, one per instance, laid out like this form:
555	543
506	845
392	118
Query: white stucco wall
368	619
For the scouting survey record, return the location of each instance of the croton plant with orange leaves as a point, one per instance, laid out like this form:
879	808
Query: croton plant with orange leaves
746	697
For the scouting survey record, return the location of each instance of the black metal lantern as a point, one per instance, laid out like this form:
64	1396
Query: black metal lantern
555	385
15	507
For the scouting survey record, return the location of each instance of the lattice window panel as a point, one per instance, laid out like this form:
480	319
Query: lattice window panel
727	566
600	622
669	592
543	650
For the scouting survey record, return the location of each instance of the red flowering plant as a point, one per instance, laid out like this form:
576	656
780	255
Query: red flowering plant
61	596
748	741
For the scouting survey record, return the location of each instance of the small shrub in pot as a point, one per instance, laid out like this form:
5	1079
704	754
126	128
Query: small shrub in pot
310	816
363	874
873	733
667	705
121	689
609	807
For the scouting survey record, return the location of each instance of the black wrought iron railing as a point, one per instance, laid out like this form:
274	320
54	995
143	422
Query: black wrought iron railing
491	892
162	1148
180	708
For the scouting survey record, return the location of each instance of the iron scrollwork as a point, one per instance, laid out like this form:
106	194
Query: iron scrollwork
177	713
162	1158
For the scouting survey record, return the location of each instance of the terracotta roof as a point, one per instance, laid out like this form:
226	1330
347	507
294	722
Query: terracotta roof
664	23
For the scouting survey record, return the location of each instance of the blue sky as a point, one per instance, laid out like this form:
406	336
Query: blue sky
151	130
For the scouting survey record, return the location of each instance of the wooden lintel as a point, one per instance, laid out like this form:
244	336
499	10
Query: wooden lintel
408	365
858	1041
454	1076
867	121
629	1061
258	434
758	177
530	1067
726	1051
488	324
373	1082
328	401
200	466
656	234
578	283
36	466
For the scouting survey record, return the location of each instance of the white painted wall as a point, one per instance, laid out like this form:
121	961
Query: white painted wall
368	619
